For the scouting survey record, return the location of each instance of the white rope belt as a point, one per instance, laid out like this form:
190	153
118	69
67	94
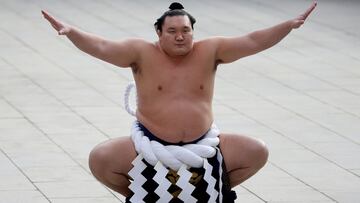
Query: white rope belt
126	99
174	156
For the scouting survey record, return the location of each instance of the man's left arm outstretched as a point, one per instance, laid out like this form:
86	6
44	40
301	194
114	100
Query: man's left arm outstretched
230	49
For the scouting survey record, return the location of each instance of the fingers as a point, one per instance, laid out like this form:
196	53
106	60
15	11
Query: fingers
47	16
309	10
54	23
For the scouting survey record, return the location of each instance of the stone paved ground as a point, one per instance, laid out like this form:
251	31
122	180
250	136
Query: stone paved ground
302	97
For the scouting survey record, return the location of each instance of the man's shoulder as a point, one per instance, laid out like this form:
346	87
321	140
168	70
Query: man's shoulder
138	42
208	45
211	41
139	45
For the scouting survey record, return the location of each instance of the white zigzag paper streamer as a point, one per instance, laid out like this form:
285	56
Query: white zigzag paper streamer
185	185
220	160
211	182
138	180
164	183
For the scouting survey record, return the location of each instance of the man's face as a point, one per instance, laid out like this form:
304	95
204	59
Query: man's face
176	38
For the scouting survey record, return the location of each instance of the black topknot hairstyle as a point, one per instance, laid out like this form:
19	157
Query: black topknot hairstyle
176	9
176	5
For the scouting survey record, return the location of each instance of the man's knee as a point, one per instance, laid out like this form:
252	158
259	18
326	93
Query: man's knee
241	151
98	160
261	152
114	155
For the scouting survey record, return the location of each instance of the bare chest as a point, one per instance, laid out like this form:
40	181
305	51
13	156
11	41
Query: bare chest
180	79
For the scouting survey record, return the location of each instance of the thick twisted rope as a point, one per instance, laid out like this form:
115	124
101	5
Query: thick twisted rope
174	156
128	108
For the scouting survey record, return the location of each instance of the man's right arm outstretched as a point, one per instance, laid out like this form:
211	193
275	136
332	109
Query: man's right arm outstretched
123	53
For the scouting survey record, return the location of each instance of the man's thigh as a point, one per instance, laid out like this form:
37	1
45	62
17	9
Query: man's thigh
241	152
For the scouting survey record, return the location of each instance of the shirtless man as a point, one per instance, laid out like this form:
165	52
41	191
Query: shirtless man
174	79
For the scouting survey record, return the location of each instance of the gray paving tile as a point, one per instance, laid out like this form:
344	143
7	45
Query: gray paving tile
7	111
22	196
11	177
85	200
78	145
73	189
356	171
283	187
57	174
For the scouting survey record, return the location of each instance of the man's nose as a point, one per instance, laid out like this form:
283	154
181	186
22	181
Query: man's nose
179	37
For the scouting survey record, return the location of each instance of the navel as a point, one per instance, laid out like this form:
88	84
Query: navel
159	88
201	87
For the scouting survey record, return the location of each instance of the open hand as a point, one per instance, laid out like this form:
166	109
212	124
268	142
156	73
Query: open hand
297	22
60	27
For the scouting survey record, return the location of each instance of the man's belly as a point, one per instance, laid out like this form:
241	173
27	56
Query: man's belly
178	121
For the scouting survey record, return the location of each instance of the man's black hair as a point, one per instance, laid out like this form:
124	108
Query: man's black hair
176	9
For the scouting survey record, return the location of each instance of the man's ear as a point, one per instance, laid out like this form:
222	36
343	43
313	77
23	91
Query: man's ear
158	32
